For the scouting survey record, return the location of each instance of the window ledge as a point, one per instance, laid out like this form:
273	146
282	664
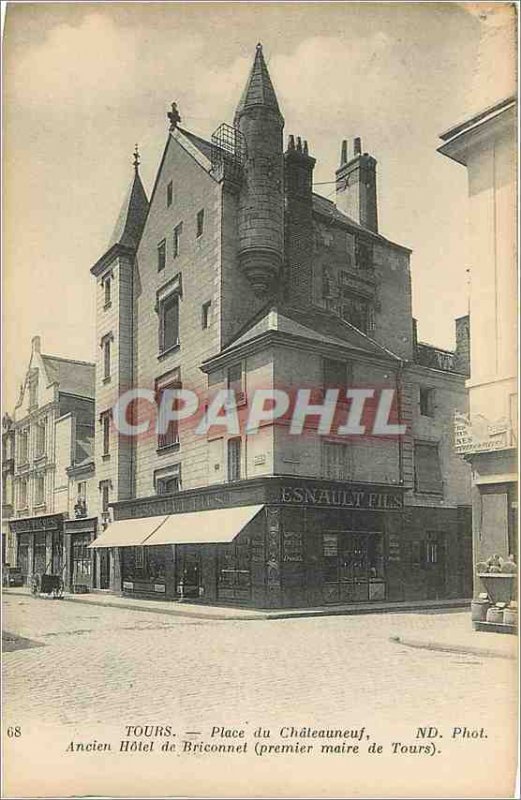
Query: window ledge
40	506
107	305
168	448
105	457
169	351
107	379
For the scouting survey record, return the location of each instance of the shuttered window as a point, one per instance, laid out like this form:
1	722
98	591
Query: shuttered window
427	468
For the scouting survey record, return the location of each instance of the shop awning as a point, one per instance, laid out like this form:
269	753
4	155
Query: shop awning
204	527
128	532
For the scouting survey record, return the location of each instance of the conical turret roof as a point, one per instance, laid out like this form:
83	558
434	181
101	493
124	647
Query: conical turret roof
259	88
129	226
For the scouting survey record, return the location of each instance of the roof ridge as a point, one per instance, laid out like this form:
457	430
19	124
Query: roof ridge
69	360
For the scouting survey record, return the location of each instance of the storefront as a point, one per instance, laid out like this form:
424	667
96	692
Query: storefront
81	564
39	545
288	542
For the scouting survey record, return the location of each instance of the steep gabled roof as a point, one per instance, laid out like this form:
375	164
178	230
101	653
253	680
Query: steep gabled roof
202	145
131	219
259	88
326	208
72	377
310	325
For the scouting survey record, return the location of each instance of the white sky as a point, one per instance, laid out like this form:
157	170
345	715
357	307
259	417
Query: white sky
84	82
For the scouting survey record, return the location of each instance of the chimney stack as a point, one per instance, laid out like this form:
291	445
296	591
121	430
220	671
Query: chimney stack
36	344
356	185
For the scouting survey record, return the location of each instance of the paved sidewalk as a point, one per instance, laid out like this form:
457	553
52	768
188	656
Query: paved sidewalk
460	637
199	611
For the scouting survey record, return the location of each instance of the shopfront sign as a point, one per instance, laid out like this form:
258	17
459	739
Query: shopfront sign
361	499
36	524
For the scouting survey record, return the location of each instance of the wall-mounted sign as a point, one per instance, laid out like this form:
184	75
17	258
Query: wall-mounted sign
361	499
476	434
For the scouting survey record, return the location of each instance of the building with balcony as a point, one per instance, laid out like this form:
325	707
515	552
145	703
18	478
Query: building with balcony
484	143
235	275
52	428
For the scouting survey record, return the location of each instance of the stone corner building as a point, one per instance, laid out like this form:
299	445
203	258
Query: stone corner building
235	274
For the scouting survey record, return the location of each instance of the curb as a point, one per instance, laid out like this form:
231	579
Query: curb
178	611
451	648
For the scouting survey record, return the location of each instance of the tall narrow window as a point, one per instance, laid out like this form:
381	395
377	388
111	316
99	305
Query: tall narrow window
106	358
234	459
336	461
235	380
105	496
105	429
22	493
23	447
177	239
427	470
107	291
206	314
39	490
200	222
168	434
426	402
169	322
40	438
169	194
161	255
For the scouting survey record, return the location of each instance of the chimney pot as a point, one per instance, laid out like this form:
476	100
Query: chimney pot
36	344
343	156
299	144
357	146
291	142
306	151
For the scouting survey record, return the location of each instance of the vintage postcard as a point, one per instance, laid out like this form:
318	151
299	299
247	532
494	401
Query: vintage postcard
259	425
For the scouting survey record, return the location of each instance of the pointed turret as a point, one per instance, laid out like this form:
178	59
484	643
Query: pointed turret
261	199
130	222
131	219
259	89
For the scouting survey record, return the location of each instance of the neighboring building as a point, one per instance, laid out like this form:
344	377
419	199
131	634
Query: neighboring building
485	143
236	275
53	425
8	554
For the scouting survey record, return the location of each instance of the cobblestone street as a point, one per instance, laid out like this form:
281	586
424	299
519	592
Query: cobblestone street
102	662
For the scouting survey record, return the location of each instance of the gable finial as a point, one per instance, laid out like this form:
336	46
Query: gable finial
174	117
136	158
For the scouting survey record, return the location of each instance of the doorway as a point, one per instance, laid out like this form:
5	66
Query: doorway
353	567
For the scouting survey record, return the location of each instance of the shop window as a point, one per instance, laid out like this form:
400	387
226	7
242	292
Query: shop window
169	322
161	256
81	559
169	194
200	223
427	470
234	570
234	459
427	397
336	459
177	240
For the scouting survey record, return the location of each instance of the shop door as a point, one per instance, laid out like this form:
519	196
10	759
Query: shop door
353	567
191	573
104	568
22	554
39	556
57	553
81	561
435	567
